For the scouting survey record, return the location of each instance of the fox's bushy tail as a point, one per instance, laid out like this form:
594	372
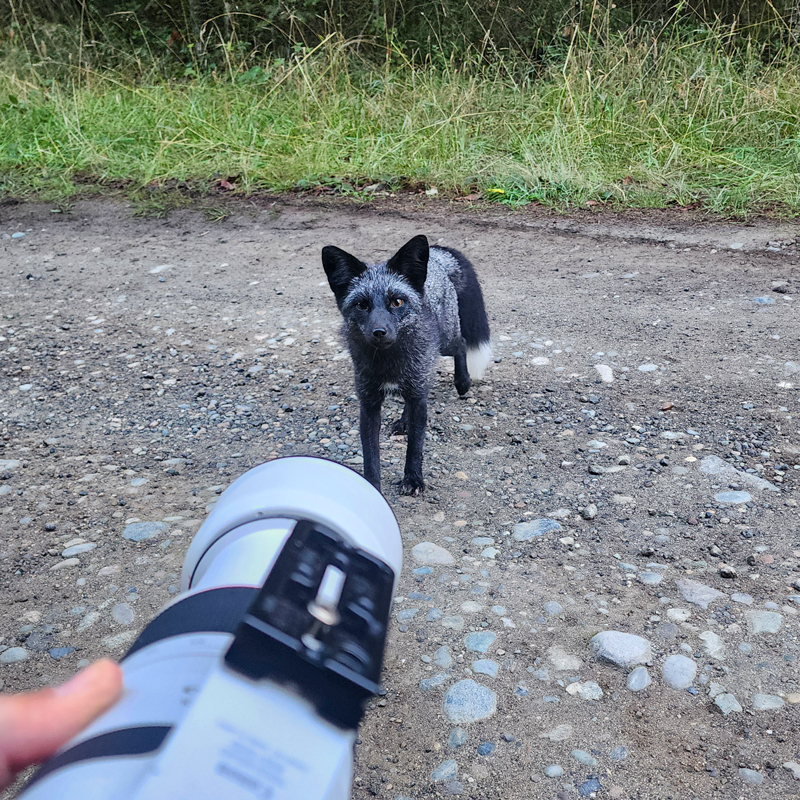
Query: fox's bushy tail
472	315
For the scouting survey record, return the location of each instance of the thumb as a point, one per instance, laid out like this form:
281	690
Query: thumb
34	725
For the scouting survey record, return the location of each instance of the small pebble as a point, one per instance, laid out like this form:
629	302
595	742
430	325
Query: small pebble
480	641
486	667
457	738
446	771
585	758
554	771
141	531
639	679
589	788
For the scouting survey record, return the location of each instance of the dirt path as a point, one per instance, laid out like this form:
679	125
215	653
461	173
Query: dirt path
145	364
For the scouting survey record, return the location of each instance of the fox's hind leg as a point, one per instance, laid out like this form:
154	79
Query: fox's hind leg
400	426
462	379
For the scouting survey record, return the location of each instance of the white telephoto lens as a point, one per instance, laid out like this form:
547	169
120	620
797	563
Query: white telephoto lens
127	753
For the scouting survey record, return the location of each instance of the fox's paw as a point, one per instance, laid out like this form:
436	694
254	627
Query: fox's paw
399	428
462	387
412	486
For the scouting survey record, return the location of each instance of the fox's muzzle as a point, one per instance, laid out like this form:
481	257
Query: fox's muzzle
380	330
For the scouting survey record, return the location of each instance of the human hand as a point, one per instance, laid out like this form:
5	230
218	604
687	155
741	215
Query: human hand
33	725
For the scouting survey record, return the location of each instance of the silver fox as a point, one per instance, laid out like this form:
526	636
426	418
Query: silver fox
399	317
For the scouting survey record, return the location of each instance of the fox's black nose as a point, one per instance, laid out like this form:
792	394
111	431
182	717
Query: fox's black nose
379	333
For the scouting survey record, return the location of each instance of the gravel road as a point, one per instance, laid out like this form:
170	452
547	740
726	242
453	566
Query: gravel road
601	585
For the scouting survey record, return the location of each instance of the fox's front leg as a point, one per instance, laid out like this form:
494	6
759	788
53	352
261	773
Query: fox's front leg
371	441
417	417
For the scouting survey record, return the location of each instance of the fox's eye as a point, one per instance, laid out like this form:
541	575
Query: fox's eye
397	302
362	305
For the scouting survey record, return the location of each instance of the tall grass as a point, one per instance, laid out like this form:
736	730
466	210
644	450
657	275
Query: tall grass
636	119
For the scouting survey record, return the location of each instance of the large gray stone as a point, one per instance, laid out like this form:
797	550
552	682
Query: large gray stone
763	621
562	660
713	645
525	531
714	465
767	702
727	703
553	608
751	776
90	619
431	554
733	497
559	734
679	672
13	655
67	563
140	531
697	593
78	549
623	649
468	701
480	641
586	691
426	684
794	768
122	614
486	667
7	464
442	658
118	640
605	372
446	771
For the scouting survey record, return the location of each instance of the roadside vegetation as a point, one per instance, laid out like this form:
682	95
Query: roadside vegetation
673	112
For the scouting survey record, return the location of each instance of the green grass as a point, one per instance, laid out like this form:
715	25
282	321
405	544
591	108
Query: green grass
635	121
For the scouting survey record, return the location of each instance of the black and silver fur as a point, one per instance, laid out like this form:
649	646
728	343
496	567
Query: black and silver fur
399	317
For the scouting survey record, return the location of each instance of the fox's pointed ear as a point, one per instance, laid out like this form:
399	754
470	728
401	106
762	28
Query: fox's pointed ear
341	268
411	261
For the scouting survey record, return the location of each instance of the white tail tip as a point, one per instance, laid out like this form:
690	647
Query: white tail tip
478	359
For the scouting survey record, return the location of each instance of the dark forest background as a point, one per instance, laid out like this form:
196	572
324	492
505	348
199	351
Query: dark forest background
187	30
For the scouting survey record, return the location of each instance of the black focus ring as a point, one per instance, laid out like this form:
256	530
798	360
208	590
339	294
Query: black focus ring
137	741
213	611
